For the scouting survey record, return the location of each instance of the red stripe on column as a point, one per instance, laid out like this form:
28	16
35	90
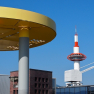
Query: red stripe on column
76	44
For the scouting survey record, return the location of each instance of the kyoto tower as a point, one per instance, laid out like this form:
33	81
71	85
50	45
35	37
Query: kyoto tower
74	76
76	56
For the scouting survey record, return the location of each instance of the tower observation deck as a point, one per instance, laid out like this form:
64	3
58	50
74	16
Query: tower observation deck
76	57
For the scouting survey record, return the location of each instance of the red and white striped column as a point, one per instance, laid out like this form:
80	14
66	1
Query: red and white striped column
76	50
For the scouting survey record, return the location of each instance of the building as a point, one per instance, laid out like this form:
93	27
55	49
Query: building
54	85
88	89
4	84
40	82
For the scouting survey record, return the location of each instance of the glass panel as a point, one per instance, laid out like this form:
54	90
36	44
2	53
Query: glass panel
72	91
92	89
58	91
62	91
86	90
53	85
82	90
66	90
77	90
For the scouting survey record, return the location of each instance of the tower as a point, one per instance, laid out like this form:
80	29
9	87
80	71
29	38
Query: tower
75	76
76	56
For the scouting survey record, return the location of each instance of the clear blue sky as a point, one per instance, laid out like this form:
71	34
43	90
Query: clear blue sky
53	56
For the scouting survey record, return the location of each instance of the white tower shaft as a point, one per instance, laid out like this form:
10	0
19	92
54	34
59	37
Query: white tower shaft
76	50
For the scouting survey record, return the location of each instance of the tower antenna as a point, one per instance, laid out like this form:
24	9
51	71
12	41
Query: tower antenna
75	29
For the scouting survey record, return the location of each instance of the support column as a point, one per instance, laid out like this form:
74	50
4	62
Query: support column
77	65
23	81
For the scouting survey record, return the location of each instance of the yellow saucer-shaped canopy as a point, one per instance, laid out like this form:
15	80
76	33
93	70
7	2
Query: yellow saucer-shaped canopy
41	28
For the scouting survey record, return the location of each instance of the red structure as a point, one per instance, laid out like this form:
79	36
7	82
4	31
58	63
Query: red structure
40	82
76	57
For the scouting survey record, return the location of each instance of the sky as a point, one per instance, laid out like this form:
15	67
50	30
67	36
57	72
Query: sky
53	55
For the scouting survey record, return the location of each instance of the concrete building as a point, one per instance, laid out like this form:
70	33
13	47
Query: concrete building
4	84
40	82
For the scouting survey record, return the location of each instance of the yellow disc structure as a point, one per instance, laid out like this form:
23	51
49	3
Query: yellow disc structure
12	21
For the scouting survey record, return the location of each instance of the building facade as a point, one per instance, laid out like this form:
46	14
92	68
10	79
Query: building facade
40	82
89	89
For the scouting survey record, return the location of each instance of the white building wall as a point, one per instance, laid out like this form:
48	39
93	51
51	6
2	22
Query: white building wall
73	75
4	84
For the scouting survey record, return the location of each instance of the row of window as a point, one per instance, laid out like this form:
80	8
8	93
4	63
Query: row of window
39	79
36	91
41	85
41	91
75	90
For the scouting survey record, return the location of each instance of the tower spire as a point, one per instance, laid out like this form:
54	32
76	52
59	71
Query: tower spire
75	29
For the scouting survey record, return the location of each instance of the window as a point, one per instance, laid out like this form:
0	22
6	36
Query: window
77	90
92	89
62	91
42	79
58	91
13	91
39	79
72	91
82	90
66	90
35	78
46	91
43	92
35	84
17	91
89	90
54	85
35	91
46	85
86	90
39	85
39	91
43	86
46	79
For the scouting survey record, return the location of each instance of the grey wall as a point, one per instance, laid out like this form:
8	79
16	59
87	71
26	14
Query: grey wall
4	84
